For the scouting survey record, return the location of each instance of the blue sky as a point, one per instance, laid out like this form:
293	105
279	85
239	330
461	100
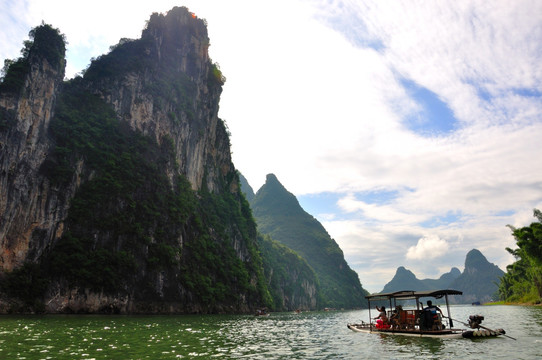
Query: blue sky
410	129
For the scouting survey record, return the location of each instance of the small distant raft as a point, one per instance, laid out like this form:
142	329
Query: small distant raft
262	312
419	321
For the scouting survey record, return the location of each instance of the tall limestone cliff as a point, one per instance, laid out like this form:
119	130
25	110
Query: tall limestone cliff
118	193
279	215
183	111
30	209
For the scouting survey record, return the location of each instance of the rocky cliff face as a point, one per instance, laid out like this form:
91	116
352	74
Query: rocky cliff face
93	173
185	112
31	211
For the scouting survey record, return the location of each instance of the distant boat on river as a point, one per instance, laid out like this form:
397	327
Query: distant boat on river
262	312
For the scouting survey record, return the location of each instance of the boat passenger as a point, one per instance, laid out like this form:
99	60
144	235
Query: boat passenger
395	318
382	318
430	315
382	314
432	308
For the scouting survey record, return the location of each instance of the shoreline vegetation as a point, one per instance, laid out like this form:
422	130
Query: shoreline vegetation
502	302
522	282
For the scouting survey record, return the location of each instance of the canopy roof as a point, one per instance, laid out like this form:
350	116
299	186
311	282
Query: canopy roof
411	294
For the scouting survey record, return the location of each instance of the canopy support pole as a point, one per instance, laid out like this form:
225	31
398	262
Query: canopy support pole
370	322
448	309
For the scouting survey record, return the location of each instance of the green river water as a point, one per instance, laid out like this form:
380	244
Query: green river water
310	335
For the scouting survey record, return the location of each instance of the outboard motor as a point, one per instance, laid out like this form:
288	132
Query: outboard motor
475	321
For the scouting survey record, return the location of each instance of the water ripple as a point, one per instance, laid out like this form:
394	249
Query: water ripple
311	335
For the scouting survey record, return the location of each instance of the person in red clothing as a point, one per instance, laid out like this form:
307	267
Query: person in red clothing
382	318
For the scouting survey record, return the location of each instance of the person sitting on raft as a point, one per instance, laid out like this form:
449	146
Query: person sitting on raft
382	318
431	316
432	308
395	318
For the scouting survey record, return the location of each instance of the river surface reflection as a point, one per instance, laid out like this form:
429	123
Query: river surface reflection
310	335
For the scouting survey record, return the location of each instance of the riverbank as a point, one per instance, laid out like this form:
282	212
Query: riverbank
536	303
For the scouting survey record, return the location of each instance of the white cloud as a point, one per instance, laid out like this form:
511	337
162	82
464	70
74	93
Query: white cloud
452	47
428	247
14	29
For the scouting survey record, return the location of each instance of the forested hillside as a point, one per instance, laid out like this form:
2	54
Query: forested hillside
291	281
279	215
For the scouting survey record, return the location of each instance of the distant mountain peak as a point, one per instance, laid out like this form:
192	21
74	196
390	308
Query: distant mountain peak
273	183
272	177
474	258
455	271
276	198
478	280
405	279
403	272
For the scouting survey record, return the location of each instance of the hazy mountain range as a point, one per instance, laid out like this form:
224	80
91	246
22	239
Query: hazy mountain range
478	281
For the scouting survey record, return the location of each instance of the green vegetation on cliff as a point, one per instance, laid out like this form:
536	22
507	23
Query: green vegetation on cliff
279	215
292	282
125	222
127	211
46	43
523	279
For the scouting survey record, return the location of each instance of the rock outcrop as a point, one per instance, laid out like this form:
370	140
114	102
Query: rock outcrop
117	189
31	210
186	111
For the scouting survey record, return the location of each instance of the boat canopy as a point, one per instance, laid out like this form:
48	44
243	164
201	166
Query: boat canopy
411	294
